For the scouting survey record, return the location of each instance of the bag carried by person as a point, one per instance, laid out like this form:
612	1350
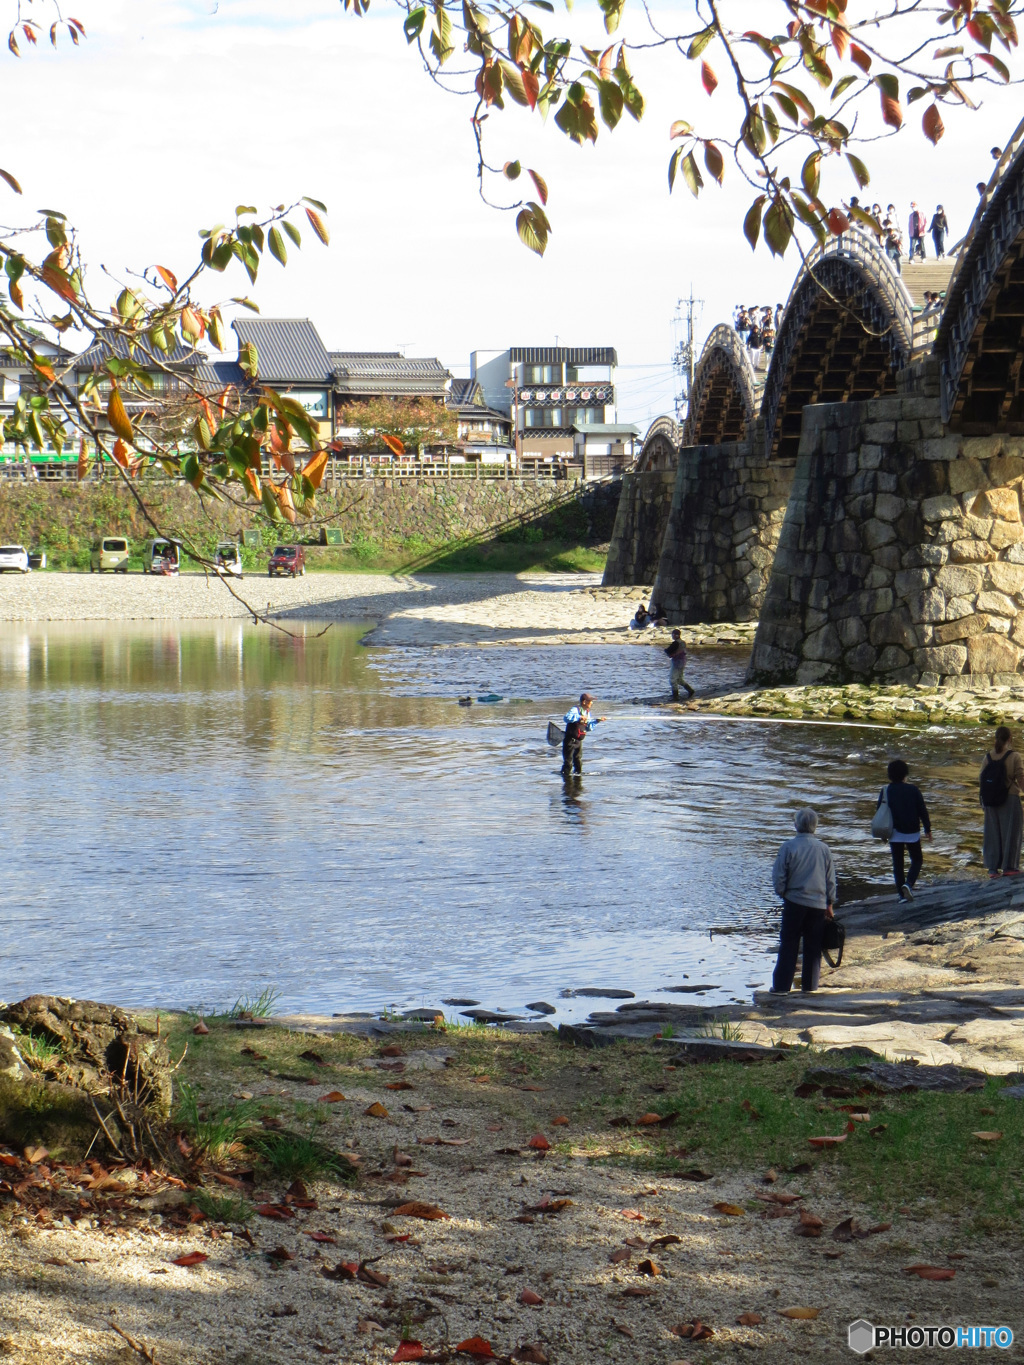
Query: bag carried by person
881	821
834	941
995	781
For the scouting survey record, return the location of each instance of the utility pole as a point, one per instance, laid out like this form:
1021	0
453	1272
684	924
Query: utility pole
684	357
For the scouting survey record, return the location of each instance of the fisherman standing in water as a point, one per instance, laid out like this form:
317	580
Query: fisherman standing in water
677	666
577	723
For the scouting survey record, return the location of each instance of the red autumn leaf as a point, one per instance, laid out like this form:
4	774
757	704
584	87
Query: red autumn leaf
332	1097
539	1143
708	78
410	1350
476	1346
396	446
168	278
6	1160
559	1122
278	1211
376	1111
415	1209
634	1215
932	123
193	1258
892	112
838	222
827	1141
930	1272
281	1254
323	1237
530	1298
314	469
648	1267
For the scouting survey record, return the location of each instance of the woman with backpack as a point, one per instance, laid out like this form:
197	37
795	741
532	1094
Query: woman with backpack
1002	780
907	813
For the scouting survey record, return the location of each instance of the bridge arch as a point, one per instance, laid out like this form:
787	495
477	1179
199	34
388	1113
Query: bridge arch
660	449
722	399
846	331
980	339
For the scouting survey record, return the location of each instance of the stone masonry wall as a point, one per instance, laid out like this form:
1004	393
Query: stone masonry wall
640	523
727	512
901	556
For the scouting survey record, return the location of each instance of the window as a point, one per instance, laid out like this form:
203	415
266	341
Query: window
543	417
542	374
588	417
588	374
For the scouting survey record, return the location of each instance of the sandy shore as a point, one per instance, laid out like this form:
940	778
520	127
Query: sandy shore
441	609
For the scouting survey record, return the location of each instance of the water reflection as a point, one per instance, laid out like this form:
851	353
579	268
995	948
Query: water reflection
193	812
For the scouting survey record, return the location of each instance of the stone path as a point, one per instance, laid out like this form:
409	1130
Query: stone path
939	981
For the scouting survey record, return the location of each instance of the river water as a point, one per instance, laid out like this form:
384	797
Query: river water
193	812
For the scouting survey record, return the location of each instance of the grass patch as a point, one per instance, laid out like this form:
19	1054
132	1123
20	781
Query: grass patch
214	1133
36	1048
222	1208
299	1156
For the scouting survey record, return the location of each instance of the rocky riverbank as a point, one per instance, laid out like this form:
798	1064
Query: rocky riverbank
900	705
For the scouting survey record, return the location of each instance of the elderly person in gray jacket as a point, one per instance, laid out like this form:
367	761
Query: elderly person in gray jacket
804	876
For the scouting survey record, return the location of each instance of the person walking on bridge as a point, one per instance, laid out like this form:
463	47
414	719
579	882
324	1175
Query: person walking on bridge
804	876
916	232
893	238
939	227
1002	780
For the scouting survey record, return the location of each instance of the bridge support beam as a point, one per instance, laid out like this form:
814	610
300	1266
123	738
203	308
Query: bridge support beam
723	527
635	548
901	557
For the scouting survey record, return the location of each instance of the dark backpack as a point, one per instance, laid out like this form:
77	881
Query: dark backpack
834	941
995	781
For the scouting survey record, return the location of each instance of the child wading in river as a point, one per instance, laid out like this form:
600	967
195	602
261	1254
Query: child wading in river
577	725
677	666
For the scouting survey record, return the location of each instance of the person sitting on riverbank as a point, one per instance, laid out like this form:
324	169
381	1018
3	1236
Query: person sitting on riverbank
909	813
1002	780
676	652
655	616
642	618
804	876
577	726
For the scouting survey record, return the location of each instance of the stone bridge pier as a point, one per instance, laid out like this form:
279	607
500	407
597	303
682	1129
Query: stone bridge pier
723	527
901	557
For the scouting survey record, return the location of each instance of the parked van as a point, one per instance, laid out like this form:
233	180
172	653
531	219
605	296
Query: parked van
109	553
160	556
228	558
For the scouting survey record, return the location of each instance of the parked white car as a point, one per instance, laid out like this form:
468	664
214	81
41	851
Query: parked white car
13	557
228	558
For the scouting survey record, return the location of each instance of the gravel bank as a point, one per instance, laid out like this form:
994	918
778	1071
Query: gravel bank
443	609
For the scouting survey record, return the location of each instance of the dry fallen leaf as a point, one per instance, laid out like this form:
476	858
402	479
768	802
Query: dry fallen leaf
193	1258
801	1314
539	1143
827	1141
476	1346
529	1353
619	1255
637	1243
33	1155
810	1225
779	1197
634	1215
530	1298
694	1330
200	1029
982	1137
770	1177
635	1292
415	1209
323	1237
670	1239
648	1267
559	1122
750	1320
377	1111
733	1210
410	1350
332	1097
622	1329
399	1085
930	1272
392	1050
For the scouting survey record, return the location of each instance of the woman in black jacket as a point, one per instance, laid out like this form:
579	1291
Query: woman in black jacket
909	813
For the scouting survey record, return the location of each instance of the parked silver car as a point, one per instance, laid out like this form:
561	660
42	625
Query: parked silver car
14	557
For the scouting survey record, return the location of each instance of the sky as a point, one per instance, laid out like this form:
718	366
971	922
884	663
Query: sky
171	112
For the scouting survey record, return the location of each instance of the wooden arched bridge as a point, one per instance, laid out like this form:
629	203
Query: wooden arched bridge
864	500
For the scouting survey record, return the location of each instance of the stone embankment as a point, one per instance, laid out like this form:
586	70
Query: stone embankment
879	704
939	981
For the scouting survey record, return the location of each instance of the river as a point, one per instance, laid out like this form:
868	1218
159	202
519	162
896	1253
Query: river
193	812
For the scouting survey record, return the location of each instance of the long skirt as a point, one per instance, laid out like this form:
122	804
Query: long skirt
1004	826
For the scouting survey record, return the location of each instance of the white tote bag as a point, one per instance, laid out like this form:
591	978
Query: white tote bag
881	822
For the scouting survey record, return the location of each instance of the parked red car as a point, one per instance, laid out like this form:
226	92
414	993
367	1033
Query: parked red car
287	559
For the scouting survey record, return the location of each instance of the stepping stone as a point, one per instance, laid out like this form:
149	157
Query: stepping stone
531	1026
425	1016
690	990
541	1007
457	1000
724	1050
489	1016
896	1077
597	993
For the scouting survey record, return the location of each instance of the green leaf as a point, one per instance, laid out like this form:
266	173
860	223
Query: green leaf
243	208
6	175
513	170
612	10
441	37
533	228
861	173
610	100
787	106
752	221
247	303
714	161
778	227
413	24
691	174
843	85
576	117
315	202
700	42
277	247
293	232
810	175
888	84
